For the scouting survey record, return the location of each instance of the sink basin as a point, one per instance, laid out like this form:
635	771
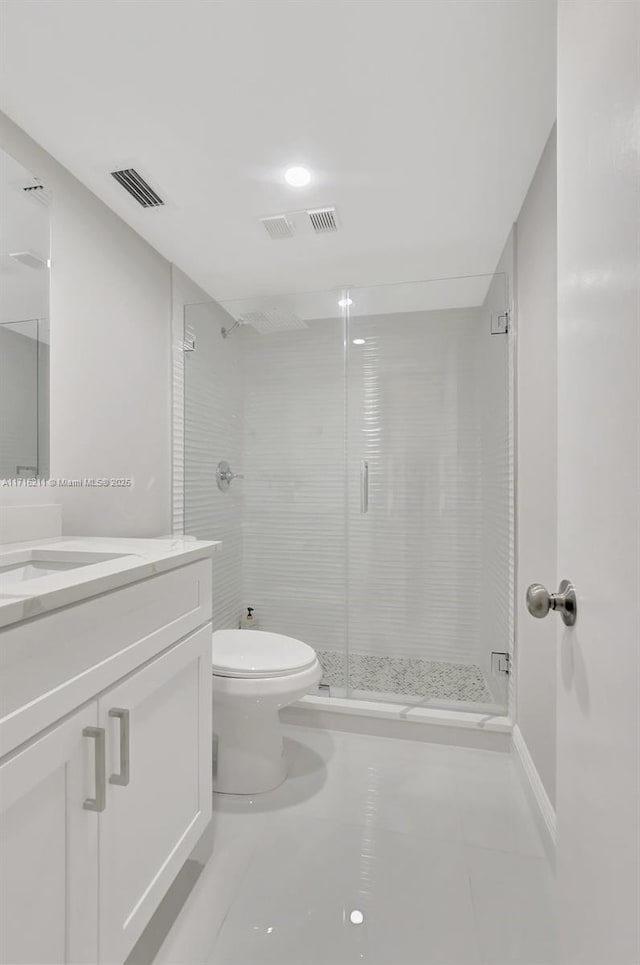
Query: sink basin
34	564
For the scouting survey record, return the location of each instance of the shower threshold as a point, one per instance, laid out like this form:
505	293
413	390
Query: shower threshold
414	699
384	718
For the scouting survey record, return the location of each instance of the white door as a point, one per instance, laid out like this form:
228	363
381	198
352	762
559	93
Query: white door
158	724
598	815
49	848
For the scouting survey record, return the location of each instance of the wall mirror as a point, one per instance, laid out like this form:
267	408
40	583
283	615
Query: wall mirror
24	322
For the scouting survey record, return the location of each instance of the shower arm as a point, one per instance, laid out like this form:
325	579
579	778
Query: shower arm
225	332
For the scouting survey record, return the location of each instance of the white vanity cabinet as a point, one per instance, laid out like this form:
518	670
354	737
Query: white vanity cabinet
100	808
49	848
152	820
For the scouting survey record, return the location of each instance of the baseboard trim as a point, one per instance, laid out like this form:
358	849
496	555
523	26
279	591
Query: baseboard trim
534	788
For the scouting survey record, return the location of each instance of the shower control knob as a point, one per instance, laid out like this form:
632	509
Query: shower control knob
225	475
540	601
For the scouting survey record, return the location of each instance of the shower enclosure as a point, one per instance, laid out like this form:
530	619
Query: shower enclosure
373	519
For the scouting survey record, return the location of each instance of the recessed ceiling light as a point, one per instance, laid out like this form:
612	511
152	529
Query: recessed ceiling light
356	917
345	302
358	341
297	177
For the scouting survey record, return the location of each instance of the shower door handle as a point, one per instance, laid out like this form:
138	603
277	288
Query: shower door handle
364	486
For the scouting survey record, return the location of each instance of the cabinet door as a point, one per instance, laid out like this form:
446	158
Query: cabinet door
158	724
49	848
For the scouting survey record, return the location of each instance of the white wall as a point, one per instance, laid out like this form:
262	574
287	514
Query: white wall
110	357
537	462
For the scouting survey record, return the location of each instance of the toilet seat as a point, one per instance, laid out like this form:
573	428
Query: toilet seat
258	654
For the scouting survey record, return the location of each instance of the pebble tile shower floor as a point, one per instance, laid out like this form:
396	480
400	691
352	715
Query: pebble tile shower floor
405	676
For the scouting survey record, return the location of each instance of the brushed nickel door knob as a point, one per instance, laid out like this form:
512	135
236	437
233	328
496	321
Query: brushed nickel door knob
540	601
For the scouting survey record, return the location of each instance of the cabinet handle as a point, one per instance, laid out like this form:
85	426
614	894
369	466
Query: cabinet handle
125	759
98	802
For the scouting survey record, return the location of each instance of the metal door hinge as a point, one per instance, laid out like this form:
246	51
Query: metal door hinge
500	663
189	344
500	323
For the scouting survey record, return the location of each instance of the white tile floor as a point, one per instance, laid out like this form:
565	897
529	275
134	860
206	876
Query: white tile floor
434	846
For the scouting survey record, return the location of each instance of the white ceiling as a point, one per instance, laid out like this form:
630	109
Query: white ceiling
422	120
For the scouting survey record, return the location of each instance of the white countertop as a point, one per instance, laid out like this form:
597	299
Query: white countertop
141	558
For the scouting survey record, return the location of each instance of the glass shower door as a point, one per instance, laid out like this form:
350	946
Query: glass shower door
372	512
428	492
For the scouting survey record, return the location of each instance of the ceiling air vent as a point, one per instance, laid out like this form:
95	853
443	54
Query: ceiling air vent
137	187
278	227
323	220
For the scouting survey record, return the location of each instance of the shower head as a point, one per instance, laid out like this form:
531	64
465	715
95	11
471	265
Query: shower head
28	258
266	321
225	332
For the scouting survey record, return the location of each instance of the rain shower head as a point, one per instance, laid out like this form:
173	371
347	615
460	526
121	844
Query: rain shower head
28	258
266	321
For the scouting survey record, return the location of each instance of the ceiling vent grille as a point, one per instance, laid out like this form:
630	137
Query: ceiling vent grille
278	227
323	220
137	187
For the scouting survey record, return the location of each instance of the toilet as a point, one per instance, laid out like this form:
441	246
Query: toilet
254	674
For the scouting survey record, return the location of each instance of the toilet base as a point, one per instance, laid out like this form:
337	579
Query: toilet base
248	750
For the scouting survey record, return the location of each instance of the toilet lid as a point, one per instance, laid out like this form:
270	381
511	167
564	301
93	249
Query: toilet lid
257	653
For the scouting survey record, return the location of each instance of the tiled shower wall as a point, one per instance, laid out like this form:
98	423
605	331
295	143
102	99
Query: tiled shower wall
294	493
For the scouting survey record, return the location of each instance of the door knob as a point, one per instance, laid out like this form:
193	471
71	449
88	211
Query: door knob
540	601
